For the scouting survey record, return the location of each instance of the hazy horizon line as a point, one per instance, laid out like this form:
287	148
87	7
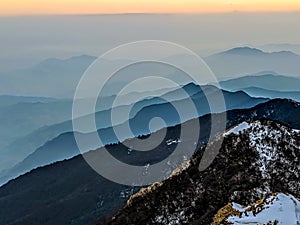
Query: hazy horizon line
148	13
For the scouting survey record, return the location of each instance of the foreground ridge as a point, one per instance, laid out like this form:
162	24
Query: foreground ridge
255	160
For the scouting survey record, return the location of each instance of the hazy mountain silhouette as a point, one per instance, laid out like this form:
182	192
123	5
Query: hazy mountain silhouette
23	118
281	47
64	75
267	81
260	92
39	122
245	60
41	79
7	100
32	121
63	146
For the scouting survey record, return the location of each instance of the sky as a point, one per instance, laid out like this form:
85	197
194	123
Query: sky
27	40
35	30
30	7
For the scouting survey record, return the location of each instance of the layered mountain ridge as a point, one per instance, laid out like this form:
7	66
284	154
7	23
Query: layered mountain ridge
63	144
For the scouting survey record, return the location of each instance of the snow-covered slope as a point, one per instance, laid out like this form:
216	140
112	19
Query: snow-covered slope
272	143
275	209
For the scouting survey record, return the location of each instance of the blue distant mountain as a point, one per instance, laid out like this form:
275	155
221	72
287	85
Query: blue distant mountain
24	117
280	47
31	121
59	78
7	100
52	77
269	81
64	75
245	60
260	92
243	51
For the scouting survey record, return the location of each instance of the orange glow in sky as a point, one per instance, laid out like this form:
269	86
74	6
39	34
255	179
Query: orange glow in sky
21	7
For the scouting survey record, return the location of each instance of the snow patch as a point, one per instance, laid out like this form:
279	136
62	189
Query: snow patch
235	130
171	142
279	209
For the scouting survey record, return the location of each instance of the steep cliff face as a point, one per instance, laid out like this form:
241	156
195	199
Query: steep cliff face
255	159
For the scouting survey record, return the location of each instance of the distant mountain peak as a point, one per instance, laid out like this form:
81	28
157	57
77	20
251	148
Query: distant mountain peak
244	51
255	51
265	80
88	57
190	85
286	53
267	72
57	61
